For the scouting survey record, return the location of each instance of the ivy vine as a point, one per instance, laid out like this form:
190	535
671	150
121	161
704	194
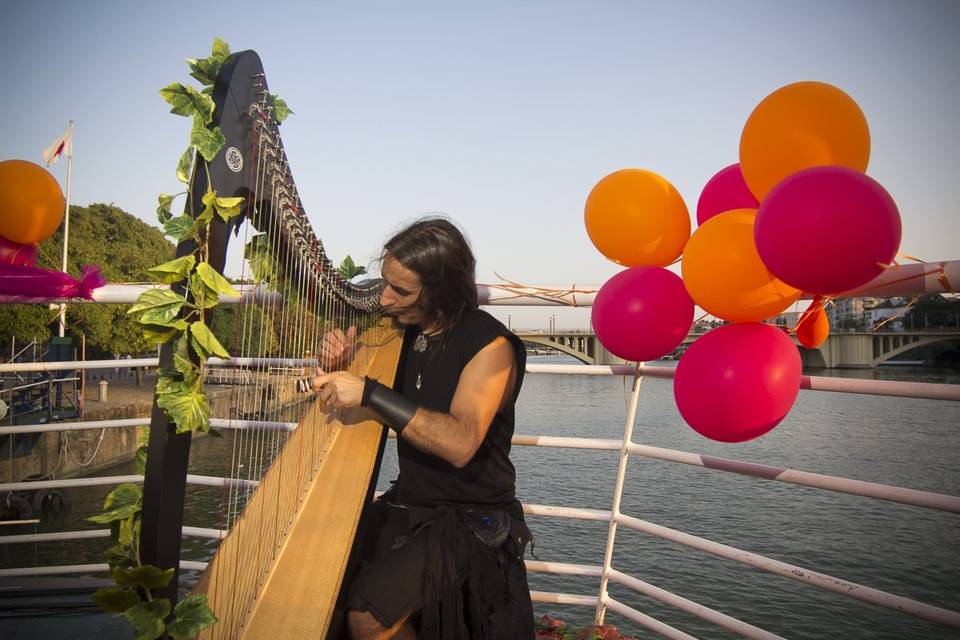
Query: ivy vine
165	315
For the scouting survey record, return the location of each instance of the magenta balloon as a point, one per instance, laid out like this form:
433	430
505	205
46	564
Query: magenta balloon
21	255
827	229
738	382
725	191
642	313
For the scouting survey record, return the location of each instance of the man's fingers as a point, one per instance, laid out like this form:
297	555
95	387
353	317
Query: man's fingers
351	332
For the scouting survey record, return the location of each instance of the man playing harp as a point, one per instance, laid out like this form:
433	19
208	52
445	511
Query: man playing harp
443	553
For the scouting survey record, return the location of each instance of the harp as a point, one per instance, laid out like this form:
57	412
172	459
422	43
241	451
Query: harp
279	570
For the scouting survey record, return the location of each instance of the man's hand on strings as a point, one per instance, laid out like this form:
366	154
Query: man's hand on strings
338	390
337	346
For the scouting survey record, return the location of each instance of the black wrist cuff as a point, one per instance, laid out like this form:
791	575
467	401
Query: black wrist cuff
396	411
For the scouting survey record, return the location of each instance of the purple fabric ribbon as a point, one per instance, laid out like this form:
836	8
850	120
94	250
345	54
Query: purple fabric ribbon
19	284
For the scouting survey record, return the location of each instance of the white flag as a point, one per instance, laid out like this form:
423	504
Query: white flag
60	147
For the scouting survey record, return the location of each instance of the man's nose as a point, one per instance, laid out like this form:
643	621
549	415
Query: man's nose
386	297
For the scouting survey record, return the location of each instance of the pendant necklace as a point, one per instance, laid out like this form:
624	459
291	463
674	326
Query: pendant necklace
420	346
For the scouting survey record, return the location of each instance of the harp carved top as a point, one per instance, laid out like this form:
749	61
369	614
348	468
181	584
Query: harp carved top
245	116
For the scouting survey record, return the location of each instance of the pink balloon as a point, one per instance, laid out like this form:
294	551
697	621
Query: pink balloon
738	382
827	229
22	255
642	313
725	191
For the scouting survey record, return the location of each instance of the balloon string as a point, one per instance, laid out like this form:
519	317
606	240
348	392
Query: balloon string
541	293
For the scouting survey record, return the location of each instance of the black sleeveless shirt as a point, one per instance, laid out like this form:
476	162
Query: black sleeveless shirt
489	478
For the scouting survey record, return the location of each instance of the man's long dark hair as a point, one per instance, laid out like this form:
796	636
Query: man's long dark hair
435	249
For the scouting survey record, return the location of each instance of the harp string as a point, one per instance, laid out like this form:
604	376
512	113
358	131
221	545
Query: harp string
283	335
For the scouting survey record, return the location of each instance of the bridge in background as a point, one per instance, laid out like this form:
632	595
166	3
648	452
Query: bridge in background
843	350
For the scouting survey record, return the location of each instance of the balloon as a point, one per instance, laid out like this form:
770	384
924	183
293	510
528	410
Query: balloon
827	230
22	255
642	313
725	191
723	272
802	125
31	203
636	218
738	381
814	327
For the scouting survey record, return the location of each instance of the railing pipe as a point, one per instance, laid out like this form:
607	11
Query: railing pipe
800	574
55	570
890	493
923	390
74	426
195	532
97	481
653	624
704	613
617	495
248	425
563	598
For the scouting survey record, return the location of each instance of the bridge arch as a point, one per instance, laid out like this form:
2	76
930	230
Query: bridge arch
888	346
585	356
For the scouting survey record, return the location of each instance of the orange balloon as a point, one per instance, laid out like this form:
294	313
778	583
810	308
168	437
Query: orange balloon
814	327
802	125
31	203
724	275
637	219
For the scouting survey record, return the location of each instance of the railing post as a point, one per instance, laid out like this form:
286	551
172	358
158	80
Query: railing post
617	493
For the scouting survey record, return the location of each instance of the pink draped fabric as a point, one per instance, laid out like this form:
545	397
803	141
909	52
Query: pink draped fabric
31	284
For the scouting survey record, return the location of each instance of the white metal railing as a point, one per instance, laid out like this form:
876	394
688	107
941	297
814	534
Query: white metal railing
900	280
607	572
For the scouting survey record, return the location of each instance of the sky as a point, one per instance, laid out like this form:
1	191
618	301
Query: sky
500	115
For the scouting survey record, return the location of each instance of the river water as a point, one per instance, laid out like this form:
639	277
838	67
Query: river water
909	551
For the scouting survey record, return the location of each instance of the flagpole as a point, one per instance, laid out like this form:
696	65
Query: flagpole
66	227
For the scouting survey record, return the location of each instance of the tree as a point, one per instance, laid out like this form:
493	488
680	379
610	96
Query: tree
123	247
933	311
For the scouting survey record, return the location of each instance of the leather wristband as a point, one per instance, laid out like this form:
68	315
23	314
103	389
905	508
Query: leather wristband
396	411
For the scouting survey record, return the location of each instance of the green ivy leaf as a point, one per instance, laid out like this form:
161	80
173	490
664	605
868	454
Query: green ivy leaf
181	227
228	207
191	616
155	334
202	296
280	109
120	556
152	299
257	253
163	207
147	618
205	70
189	409
205	343
185	166
220	49
215	281
146	576
187	101
121	503
115	599
169	382
140	460
208	200
349	270
173	271
207	141
129	531
158	307
182	362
